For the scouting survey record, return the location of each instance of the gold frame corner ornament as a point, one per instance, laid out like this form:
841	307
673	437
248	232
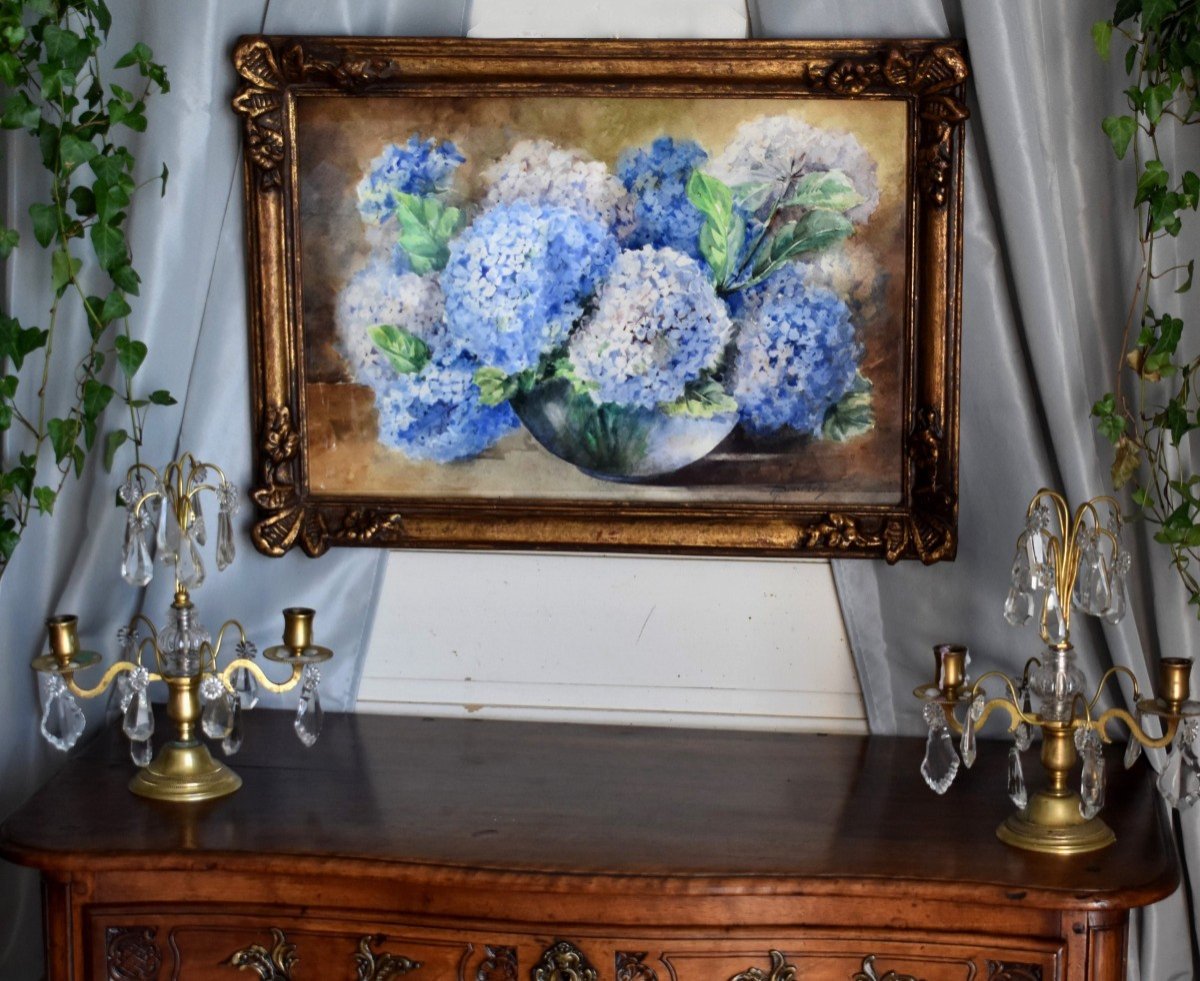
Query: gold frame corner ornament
929	76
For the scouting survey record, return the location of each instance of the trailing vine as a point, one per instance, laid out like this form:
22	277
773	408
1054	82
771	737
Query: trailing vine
53	87
1152	422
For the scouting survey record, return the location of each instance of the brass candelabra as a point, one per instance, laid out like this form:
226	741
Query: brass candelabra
1063	561
202	697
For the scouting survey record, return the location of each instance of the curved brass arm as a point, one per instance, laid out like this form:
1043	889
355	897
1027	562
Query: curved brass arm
214	649
1117	669
107	680
267	683
1136	731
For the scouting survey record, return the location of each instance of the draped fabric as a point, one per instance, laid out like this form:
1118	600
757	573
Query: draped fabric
188	248
1049	262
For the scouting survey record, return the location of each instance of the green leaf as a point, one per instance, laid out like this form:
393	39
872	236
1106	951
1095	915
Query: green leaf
495	386
130	354
63	268
1187	283
45	498
1120	130
113	442
426	227
1111	423
125	279
20	113
84	201
9	239
45	223
406	352
854	414
73	150
1157	97
830	189
1153	177
724	231
703	398
115	307
6	417
162	397
163	177
1191	189
139	54
814	231
1102	37
63	434
1153	11
96	396
9	536
109	243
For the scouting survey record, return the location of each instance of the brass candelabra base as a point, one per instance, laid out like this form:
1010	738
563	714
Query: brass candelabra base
1051	823
185	772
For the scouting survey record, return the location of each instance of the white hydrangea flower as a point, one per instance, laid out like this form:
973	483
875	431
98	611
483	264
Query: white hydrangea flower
375	295
777	150
540	172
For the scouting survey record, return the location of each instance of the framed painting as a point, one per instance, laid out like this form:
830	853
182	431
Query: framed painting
689	297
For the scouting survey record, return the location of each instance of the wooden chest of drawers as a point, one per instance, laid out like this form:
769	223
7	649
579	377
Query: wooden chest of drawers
486	851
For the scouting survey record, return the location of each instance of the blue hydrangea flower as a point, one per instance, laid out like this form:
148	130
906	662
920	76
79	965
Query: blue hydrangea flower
796	354
416	167
656	177
658	324
435	413
519	277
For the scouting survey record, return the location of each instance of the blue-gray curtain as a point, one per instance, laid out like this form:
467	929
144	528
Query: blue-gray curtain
189	250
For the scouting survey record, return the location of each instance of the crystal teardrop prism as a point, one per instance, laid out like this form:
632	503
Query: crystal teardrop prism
1021	578
197	528
309	714
967	748
1179	783
245	687
141	752
1052	615
62	718
1115	612
233	739
139	719
137	566
1023	734
189	567
217	717
1092	778
1133	749
1018	607
941	761
1016	779
225	550
118	698
167	541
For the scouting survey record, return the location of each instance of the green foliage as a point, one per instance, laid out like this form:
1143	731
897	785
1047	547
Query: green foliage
426	226
1152	420
52	88
724	230
854	415
407	353
702	399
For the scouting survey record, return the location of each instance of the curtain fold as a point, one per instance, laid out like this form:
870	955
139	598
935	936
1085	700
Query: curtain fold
189	250
1049	259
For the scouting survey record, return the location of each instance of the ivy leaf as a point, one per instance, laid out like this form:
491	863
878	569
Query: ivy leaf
1153	177
495	386
115	307
45	223
1120	131
1111	423
20	113
130	354
1153	12
9	239
74	150
406	352
854	414
125	279
1102	37
829	189
162	397
1191	188
63	434
63	268
1187	283
139	54
96	396
1125	462
109	243
163	177
113	442
45	498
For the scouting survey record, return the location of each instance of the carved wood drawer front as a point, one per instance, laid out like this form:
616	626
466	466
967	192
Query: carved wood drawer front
291	948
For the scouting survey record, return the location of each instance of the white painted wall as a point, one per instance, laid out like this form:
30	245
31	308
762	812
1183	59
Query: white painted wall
691	642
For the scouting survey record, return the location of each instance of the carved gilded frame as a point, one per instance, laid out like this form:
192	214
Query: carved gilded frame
927	76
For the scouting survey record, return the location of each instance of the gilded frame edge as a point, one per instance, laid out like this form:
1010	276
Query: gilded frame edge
930	74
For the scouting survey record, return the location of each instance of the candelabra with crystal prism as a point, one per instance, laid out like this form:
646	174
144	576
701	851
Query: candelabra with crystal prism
203	698
1064	561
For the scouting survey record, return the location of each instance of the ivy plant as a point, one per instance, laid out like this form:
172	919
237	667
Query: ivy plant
1152	415
52	63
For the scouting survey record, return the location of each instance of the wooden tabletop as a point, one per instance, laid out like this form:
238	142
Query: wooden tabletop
757	811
